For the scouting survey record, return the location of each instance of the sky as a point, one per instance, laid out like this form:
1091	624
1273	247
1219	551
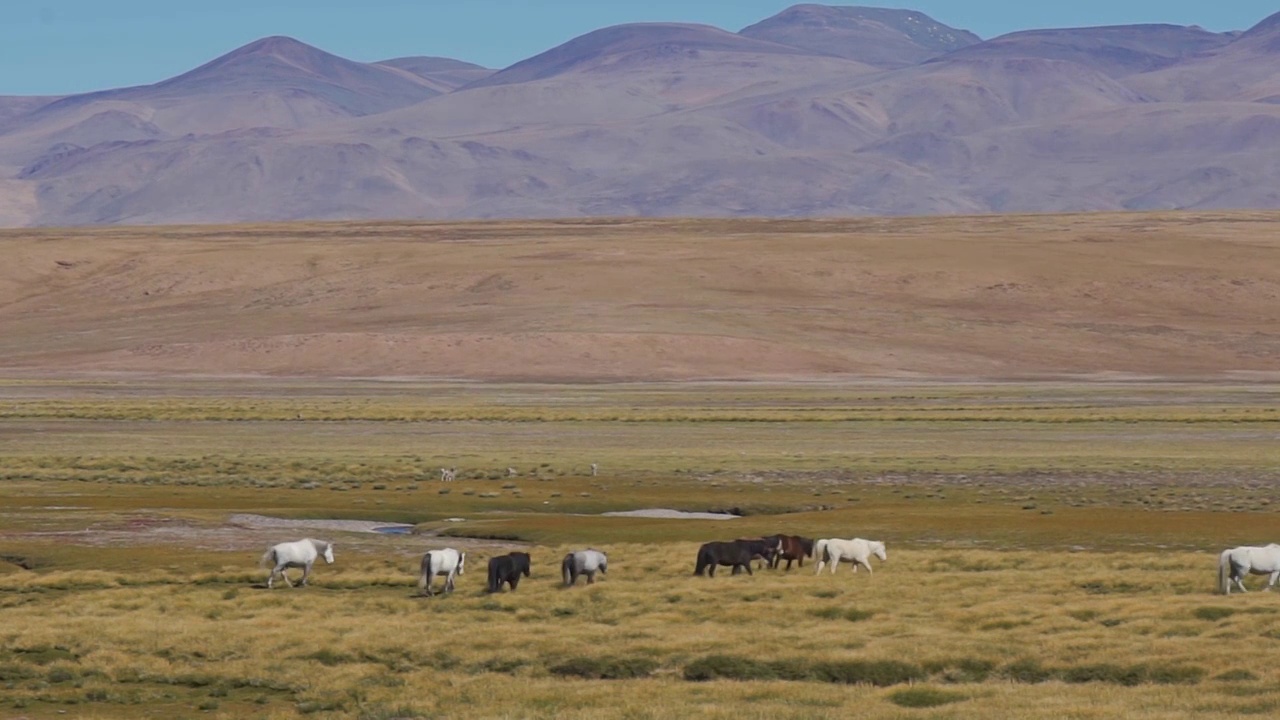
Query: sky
56	47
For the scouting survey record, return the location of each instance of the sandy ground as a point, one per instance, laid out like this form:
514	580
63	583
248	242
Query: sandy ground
1158	295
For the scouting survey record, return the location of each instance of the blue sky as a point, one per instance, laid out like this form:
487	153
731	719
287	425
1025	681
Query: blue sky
65	46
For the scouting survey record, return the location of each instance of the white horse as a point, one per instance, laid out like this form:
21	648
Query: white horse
448	562
584	562
1235	563
448	474
857	551
301	553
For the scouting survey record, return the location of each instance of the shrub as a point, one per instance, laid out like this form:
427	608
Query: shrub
605	668
329	658
1236	675
1213	613
924	697
881	673
961	670
1026	671
727	667
1104	672
1175	674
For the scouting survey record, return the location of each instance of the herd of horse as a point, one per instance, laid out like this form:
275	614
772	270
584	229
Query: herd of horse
1234	564
508	569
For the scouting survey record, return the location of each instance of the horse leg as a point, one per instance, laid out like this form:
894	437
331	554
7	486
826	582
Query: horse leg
591	577
749	569
284	574
835	560
306	572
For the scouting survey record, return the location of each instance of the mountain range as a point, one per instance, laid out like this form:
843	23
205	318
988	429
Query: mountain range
817	111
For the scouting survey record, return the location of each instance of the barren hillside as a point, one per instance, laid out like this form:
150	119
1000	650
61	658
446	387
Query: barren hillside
998	297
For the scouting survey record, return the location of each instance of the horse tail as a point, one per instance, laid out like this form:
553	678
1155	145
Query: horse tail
493	576
820	550
268	558
1224	571
566	569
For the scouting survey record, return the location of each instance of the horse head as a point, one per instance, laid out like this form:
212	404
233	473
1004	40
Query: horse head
328	554
877	548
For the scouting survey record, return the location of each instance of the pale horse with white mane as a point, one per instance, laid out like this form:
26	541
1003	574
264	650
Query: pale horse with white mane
1237	562
448	562
300	553
857	551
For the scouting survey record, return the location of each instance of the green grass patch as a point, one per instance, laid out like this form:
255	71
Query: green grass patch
924	697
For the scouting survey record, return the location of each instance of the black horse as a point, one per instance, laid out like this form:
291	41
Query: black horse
737	554
791	547
507	569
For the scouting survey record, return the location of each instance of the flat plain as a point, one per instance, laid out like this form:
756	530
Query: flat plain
1053	497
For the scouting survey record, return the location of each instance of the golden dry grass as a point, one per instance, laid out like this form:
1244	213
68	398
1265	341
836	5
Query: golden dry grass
1164	294
1133	634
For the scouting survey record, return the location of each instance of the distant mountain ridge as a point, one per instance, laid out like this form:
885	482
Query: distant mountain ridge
816	111
876	36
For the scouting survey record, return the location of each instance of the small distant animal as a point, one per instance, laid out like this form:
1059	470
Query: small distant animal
791	548
857	550
297	554
594	469
448	474
448	562
507	569
583	562
737	554
1236	563
511	472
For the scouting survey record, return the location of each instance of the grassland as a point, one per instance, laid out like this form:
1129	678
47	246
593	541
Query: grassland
1055	422
1051	549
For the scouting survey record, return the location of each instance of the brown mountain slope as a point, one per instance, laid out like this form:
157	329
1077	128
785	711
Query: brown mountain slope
1168	295
877	36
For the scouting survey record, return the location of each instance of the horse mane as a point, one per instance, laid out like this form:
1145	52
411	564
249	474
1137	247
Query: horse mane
319	545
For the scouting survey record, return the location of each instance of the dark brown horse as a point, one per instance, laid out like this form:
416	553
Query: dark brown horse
764	549
791	547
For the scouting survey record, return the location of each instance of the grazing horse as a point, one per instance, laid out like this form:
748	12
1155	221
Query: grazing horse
301	553
584	562
448	562
791	547
1235	563
737	554
857	550
507	569
764	549
448	474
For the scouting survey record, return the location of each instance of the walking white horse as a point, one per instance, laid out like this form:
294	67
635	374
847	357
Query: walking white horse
584	562
300	553
857	551
448	562
1237	562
